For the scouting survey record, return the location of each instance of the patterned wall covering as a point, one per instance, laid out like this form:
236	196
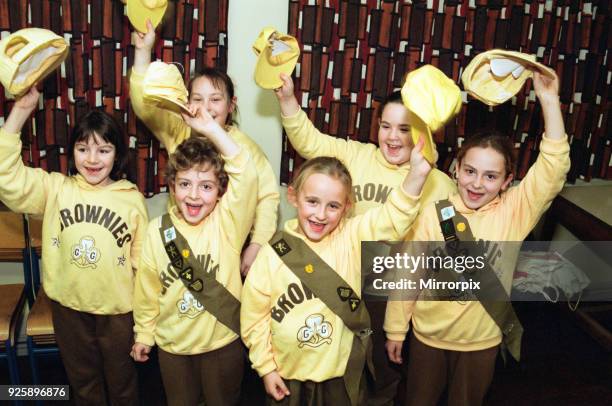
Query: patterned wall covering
356	52
194	33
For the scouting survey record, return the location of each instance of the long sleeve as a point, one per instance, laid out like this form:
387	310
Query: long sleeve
146	292
239	201
389	222
141	218
543	182
166	126
255	318
23	189
399	312
310	142
268	196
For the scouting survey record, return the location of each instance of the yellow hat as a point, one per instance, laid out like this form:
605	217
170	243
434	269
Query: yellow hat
163	86
28	56
139	11
276	53
432	99
495	76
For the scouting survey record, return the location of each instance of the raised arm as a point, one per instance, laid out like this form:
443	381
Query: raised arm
307	140
546	177
166	126
22	189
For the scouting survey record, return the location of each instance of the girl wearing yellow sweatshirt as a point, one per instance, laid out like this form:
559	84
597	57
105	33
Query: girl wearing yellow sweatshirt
302	348
212	90
375	170
187	292
93	227
454	343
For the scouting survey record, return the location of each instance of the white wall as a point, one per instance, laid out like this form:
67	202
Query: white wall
259	112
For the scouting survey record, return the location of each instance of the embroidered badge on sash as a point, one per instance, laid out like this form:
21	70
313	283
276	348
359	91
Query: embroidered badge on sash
173	254
344	293
461	227
447	212
309	268
169	234
197	285
281	247
187	274
354	303
185	253
316	332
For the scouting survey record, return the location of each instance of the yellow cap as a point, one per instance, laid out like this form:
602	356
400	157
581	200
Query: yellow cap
28	56
139	11
495	76
163	85
276	53
432	99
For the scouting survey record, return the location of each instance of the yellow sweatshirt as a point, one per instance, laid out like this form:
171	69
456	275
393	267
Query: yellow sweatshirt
92	235
288	329
466	326
165	311
373	177
171	130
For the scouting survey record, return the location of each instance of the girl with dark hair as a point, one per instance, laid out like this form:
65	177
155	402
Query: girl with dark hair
93	227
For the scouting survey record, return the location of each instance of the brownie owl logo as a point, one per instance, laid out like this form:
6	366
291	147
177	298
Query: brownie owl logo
85	254
316	332
189	306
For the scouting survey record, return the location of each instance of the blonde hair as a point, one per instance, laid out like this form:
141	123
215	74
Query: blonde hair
325	165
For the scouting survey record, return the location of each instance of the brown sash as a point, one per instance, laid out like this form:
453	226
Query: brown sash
328	286
215	298
491	295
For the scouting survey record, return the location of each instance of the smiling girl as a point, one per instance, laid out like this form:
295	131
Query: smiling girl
212	90
302	316
188	288
455	343
93	227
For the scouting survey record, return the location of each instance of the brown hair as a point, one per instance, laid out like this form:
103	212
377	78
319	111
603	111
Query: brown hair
221	81
328	166
490	139
395	97
196	152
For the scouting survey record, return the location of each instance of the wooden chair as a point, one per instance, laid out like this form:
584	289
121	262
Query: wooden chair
12	296
39	326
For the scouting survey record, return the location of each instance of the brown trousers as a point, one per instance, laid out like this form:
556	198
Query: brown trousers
388	375
466	375
309	393
95	350
217	375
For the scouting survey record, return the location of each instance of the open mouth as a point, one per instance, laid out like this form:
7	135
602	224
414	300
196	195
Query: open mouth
393	149
193	209
474	196
316	226
93	171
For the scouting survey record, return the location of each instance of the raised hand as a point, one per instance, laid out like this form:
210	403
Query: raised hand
288	103
201	121
419	169
144	40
